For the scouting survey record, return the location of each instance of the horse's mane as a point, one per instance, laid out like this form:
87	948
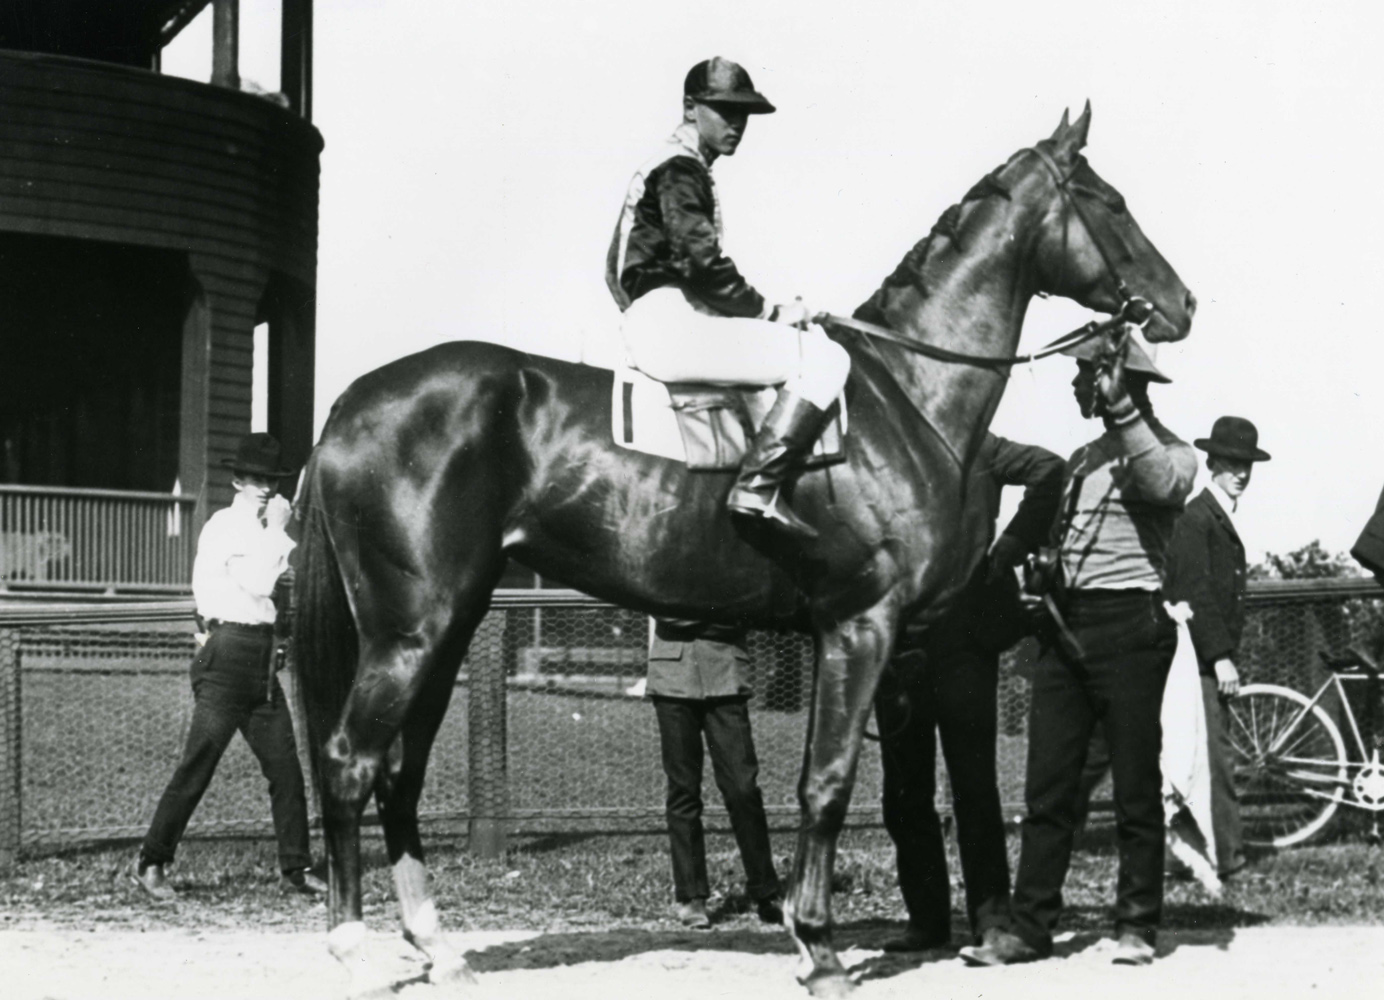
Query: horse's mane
911	273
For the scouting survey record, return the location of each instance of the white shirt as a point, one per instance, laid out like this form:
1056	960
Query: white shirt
238	562
1227	503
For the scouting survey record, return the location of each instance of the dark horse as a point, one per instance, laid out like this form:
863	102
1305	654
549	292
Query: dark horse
435	468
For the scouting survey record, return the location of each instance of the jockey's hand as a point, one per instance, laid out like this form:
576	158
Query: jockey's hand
1227	678
793	313
277	513
1005	554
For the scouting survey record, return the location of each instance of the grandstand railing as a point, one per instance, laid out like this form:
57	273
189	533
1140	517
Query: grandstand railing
547	731
64	538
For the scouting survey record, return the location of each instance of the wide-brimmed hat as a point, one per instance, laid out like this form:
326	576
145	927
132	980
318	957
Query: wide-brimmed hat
1233	437
720	81
1137	360
258	454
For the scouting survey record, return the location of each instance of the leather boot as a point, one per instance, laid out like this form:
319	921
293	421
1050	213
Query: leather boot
782	442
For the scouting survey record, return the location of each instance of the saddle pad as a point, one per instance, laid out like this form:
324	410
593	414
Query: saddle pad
704	427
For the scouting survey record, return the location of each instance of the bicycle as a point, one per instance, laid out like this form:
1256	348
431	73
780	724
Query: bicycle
1291	767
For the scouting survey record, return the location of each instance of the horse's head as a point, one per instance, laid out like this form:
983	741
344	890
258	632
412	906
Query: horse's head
1091	249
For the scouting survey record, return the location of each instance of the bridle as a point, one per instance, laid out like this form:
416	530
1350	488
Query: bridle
1063	182
1133	308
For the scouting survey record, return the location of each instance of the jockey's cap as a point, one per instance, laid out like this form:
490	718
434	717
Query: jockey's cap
720	81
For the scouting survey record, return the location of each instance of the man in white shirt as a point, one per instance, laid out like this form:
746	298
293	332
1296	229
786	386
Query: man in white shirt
241	554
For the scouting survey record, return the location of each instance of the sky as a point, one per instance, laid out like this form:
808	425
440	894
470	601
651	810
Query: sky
477	154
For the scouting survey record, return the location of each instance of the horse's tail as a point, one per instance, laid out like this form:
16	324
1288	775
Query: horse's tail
325	643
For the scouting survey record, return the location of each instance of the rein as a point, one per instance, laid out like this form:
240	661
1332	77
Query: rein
1135	310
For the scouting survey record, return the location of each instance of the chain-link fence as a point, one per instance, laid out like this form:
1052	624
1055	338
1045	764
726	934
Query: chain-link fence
547	730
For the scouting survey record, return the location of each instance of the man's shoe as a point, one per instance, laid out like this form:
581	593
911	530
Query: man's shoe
1131	949
303	882
784	439
1000	947
916	939
153	881
770	909
693	914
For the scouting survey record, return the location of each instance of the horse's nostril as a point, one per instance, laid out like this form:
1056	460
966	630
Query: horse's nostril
1191	304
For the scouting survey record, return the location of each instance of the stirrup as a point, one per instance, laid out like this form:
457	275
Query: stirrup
748	503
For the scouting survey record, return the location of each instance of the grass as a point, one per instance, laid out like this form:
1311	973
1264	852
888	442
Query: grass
570	884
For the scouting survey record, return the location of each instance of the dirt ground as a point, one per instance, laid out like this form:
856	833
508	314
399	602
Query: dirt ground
1252	963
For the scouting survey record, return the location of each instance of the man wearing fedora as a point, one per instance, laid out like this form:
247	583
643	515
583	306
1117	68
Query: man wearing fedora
1122	497
241	554
1206	568
689	314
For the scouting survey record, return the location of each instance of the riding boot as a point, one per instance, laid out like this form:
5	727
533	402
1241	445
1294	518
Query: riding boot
784	440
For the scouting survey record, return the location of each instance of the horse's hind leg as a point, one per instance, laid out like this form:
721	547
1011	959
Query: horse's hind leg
398	674
850	658
397	792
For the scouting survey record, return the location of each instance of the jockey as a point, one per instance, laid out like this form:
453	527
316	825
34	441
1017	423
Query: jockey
691	317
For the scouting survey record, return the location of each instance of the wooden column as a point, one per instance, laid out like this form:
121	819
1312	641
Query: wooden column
295	56
225	43
292	335
194	394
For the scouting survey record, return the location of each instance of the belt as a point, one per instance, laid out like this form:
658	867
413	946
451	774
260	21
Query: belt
257	629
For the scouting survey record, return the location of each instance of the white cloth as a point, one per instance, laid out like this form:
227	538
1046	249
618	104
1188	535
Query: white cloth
1186	760
238	562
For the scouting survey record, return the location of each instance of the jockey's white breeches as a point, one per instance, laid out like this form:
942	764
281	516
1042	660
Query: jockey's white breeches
669	340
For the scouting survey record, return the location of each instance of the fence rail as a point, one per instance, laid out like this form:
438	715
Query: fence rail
546	731
101	540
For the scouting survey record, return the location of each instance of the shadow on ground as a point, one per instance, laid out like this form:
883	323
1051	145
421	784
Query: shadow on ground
549	950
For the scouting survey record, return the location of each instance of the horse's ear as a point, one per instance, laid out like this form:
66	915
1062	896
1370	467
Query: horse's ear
1062	127
1070	139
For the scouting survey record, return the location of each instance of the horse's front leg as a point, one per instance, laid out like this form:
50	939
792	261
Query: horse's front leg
850	658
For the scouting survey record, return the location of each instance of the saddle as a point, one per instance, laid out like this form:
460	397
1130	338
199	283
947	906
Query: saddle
709	427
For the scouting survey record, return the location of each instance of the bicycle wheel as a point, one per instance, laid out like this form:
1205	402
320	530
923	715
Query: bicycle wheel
1289	765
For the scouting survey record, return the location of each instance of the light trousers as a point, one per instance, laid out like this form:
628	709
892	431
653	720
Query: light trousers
671	341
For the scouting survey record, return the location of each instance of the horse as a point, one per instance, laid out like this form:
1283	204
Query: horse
435	468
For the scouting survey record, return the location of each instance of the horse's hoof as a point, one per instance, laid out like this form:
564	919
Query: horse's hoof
456	973
830	985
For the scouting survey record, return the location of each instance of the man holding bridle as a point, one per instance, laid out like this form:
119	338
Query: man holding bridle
1109	661
691	317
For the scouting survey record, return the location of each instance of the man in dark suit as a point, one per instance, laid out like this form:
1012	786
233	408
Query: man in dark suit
1369	548
944	679
1206	568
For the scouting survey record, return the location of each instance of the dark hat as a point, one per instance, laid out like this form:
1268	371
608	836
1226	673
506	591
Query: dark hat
1135	361
1233	437
720	81
258	455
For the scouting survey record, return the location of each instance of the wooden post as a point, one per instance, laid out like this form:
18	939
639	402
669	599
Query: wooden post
196	402
292	318
225	44
487	784
10	756
295	56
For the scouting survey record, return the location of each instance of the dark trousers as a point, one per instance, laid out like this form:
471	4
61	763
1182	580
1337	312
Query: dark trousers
725	722
1225	801
1128	642
944	684
233	689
